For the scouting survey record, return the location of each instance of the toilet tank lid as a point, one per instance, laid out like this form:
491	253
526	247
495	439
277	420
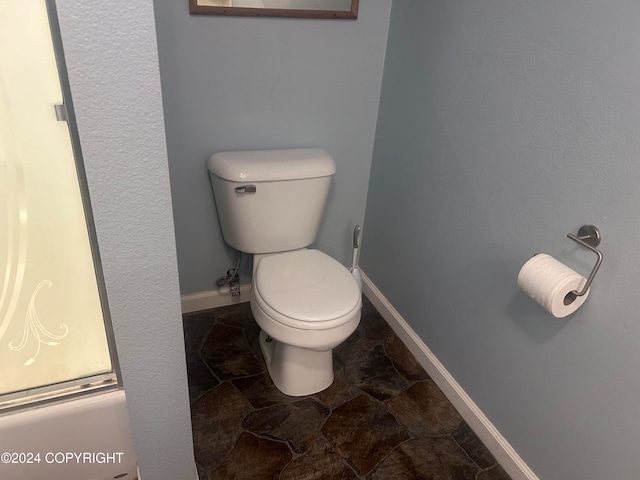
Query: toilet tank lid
272	165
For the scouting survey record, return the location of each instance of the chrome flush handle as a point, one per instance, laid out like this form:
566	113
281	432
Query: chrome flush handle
246	189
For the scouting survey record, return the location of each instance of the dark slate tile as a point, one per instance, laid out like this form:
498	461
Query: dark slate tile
404	361
363	432
202	472
495	473
297	423
216	418
238	315
200	378
254	458
193	356
424	410
261	392
367	306
196	326
320	446
367	367
345	346
253	333
338	393
338	364
374	324
200	315
228	354
318	467
427	458
471	444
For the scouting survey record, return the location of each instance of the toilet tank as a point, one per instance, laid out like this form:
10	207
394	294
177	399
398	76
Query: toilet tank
271	200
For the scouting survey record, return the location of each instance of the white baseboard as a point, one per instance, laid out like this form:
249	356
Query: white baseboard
479	423
221	297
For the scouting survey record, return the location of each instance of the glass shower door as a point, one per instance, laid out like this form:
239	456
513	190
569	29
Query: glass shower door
53	334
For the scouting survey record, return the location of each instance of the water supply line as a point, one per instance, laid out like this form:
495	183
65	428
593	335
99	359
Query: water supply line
232	278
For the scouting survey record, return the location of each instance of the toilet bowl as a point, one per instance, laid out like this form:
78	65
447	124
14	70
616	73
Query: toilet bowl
306	304
270	204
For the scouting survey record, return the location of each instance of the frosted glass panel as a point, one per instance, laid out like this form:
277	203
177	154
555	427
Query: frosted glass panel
51	323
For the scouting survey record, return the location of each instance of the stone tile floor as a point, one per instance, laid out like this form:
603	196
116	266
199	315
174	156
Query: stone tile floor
383	417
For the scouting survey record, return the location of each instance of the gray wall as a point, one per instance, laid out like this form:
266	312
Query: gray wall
232	83
503	126
113	70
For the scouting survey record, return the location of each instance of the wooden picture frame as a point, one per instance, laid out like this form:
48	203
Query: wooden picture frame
204	7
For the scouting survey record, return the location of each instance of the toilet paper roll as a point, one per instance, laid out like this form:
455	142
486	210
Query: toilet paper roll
550	283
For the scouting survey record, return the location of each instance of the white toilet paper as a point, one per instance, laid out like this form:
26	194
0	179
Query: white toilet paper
549	281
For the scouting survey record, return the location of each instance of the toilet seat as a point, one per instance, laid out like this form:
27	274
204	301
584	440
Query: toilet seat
306	289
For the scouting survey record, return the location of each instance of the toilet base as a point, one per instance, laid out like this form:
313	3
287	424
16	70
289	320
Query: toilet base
296	371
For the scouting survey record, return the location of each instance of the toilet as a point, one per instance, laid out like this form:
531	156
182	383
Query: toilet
270	204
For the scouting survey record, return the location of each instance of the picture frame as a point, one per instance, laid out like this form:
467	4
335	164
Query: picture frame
225	7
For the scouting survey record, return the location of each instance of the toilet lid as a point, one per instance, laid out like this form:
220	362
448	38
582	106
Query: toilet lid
306	285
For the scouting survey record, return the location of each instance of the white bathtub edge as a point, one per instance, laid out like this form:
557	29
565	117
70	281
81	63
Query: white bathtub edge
95	425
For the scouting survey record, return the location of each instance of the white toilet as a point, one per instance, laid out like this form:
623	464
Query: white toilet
270	204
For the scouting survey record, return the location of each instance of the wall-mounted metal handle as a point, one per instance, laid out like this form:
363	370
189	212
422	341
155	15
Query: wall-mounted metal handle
61	112
246	189
589	237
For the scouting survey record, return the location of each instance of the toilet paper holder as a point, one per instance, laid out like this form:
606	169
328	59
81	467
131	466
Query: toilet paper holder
589	237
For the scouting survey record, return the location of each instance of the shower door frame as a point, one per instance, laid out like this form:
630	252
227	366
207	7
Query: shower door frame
92	384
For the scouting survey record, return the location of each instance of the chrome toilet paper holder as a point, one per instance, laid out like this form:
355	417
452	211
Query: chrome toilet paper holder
589	237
